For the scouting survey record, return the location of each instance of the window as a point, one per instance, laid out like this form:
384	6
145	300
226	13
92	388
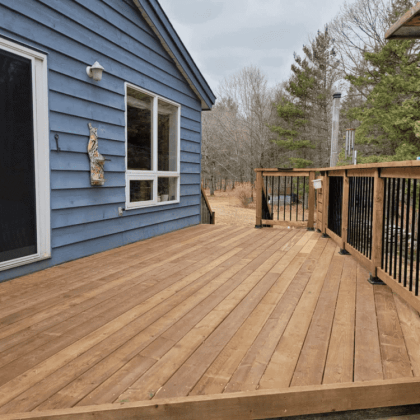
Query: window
152	149
24	156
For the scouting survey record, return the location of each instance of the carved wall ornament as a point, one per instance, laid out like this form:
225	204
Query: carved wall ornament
96	159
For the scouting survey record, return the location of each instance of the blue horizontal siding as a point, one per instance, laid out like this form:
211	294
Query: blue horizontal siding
64	199
61	83
74	180
84	215
150	77
78	143
61	180
190	146
188	157
190	168
68	31
72	234
85	219
64	123
68	161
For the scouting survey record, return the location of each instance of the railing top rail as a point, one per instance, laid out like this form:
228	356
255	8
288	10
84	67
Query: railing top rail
401	164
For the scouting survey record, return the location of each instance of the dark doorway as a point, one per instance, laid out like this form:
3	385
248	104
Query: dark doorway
18	229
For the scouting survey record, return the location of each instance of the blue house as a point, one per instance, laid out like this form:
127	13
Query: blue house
100	129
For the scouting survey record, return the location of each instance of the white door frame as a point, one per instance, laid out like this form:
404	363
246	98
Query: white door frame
41	152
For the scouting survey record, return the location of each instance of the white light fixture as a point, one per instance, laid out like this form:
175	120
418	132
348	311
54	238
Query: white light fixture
95	71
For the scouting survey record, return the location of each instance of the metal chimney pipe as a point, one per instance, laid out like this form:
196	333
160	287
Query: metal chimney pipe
335	128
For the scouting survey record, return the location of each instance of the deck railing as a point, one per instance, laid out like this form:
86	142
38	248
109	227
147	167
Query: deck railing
370	211
285	197
208	216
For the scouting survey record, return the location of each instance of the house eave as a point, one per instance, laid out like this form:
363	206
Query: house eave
159	23
407	27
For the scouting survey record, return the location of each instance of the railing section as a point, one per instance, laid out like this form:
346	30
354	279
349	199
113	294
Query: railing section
401	231
207	215
378	214
360	214
285	198
335	204
370	211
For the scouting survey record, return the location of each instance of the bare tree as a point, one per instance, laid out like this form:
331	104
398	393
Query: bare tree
236	137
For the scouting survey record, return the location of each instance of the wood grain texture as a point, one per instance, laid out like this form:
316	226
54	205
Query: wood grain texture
203	314
310	367
367	354
395	359
339	364
410	324
399	289
251	405
377	225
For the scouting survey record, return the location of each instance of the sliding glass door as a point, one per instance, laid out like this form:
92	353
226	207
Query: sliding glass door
24	163
18	236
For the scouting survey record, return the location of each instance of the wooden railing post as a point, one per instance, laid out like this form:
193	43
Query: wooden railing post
325	207
259	189
377	225
345	212
311	201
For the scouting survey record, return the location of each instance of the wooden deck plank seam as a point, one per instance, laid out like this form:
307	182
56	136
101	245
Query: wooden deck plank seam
312	318
238	326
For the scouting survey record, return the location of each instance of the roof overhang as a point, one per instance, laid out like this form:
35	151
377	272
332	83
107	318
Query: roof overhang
155	16
407	26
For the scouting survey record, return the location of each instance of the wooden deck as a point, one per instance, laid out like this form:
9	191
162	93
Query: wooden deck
209	322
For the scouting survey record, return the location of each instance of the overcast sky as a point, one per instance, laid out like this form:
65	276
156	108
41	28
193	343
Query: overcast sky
223	36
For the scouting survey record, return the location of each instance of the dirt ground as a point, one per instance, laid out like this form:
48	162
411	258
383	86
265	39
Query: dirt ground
229	210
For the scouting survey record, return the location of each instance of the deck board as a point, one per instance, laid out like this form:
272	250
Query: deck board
209	310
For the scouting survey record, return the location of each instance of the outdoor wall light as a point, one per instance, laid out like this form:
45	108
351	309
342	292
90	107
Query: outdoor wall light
95	71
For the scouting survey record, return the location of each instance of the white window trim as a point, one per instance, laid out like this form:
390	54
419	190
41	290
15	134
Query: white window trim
41	149
154	174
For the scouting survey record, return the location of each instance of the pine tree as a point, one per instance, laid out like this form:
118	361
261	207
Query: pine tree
304	113
388	118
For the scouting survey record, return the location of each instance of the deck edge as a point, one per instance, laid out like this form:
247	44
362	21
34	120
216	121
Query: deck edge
251	405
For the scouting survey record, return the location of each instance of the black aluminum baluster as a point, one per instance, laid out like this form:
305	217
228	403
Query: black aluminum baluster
397	205
353	206
297	200
418	250
272	198
383	226
358	213
365	209
266	187
401	231
290	201
392	227
304	198
407	226
368	224
351	211
413	225
278	198
372	195
388	212
284	198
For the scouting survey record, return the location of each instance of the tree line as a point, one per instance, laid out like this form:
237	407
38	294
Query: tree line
289	125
